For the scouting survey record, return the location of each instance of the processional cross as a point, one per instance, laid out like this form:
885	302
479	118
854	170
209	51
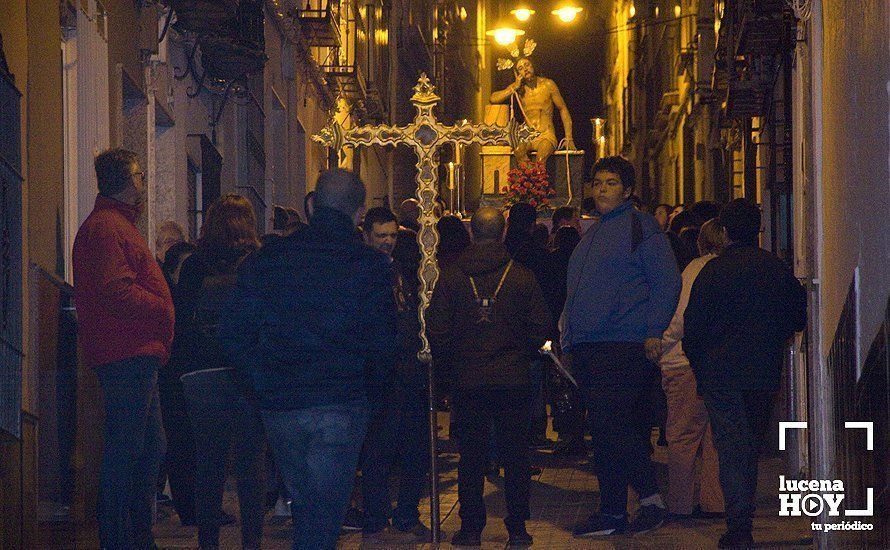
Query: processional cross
426	135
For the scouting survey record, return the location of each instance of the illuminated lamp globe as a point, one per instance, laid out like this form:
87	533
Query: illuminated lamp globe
522	14
567	14
505	36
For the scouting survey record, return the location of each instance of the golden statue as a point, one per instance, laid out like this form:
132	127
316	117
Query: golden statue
536	96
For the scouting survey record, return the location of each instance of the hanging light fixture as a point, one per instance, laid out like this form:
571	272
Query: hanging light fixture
505	36
522	14
632	11
567	13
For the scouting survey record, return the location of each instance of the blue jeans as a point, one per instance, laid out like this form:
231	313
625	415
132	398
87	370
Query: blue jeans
131	453
222	418
398	432
316	450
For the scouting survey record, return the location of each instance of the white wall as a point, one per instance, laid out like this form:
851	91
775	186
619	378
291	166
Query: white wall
856	175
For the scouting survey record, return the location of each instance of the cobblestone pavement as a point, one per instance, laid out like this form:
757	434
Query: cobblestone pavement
560	496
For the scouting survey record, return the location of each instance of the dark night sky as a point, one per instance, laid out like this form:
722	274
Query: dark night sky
573	55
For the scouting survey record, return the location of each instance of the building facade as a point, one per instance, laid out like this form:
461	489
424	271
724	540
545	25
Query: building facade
215	97
785	103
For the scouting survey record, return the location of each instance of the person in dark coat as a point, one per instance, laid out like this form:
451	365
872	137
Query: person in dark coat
486	321
532	253
179	461
453	239
223	417
312	324
398	430
568	411
744	306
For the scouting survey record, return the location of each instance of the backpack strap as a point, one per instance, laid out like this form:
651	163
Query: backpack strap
500	283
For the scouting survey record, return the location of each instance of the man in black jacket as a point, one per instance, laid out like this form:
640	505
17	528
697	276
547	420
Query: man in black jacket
397	431
312	324
744	306
486	321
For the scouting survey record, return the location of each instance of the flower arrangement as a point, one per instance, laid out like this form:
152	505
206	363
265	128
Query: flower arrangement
529	183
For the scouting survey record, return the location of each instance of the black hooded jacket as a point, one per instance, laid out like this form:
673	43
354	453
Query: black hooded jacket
312	321
495	352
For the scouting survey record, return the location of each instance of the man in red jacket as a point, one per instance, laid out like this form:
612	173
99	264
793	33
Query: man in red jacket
125	328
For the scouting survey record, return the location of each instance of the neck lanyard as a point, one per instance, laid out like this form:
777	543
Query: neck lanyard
496	290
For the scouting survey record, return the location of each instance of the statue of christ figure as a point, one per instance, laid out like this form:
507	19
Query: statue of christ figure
537	96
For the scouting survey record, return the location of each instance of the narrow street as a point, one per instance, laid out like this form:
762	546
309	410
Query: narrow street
561	496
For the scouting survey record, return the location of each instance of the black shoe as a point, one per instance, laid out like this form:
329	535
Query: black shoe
698	513
599	525
353	520
736	540
570	447
649	517
188	521
466	538
519	539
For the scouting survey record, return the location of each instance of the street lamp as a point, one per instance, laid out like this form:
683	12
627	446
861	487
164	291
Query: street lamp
567	13
505	36
522	14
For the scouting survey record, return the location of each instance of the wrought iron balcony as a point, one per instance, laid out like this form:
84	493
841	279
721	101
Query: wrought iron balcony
205	16
320	22
745	99
347	79
764	27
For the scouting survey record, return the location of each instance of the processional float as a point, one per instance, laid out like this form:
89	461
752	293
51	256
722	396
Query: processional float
426	135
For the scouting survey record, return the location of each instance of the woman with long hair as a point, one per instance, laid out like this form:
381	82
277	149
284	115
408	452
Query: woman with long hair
221	410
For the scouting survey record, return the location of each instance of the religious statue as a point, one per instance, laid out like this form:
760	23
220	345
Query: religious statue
536	96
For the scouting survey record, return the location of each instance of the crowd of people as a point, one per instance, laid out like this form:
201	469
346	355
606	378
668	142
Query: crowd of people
296	354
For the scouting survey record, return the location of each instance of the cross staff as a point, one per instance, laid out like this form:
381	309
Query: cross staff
426	135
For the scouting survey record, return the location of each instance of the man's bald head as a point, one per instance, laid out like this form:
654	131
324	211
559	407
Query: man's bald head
340	190
410	209
488	224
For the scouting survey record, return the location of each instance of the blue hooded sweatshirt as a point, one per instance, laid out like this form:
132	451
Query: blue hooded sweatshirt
623	281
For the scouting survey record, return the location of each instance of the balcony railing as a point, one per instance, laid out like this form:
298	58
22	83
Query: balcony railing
320	22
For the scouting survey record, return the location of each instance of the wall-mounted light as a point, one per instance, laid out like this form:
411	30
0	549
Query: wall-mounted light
631	11
522	14
677	10
463	13
505	36
568	13
657	11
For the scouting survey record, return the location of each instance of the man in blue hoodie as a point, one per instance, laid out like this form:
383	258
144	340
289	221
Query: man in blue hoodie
622	290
